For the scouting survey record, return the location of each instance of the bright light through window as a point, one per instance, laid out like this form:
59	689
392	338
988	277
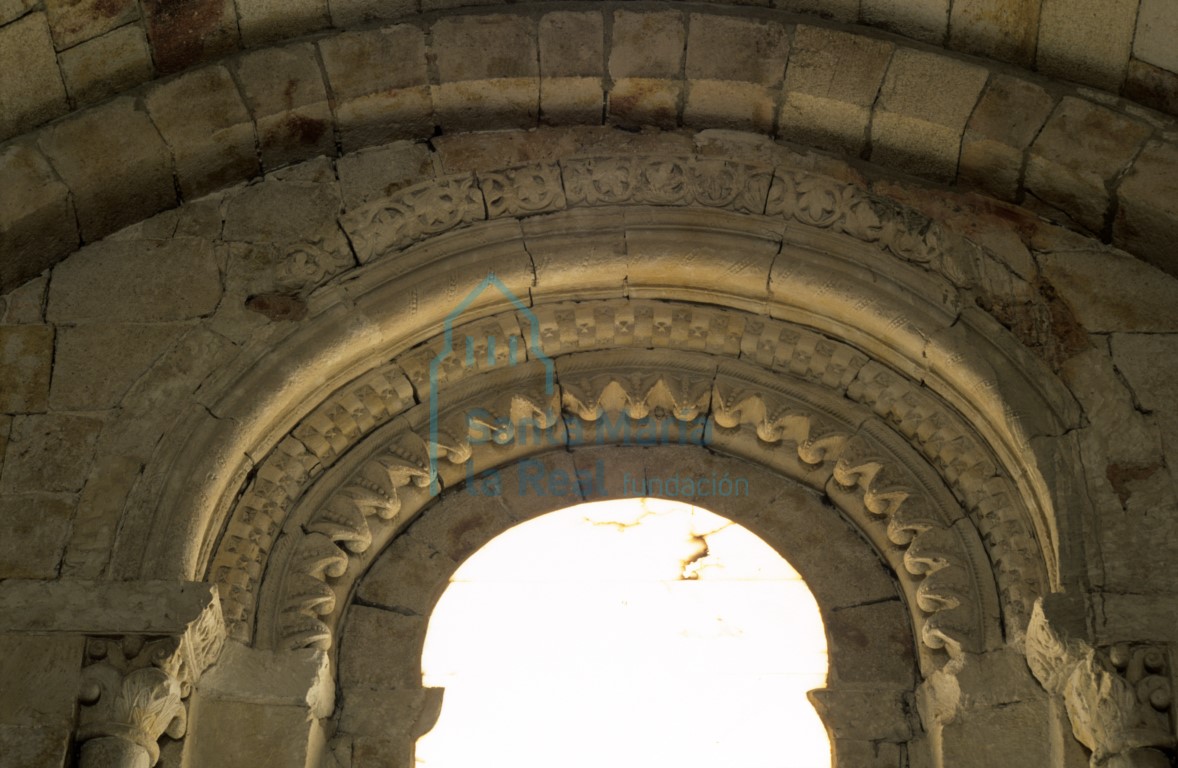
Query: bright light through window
628	634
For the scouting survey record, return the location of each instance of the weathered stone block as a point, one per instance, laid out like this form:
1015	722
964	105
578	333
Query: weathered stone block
260	734
830	86
572	100
36	527
839	10
11	10
380	83
263	21
484	47
727	104
1082	147
278	211
921	19
43	747
154	281
378	648
881	636
115	163
356	13
26	304
35	215
106	65
285	93
647	45
919	130
1147	212
26	361
1005	121
96	364
999	29
40	675
729	48
571	44
1086	40
31	89
1023	727
50	452
202	118
372	174
1152	86
75	21
636	101
472	105
1157	31
408	576
1109	290
864	713
184	34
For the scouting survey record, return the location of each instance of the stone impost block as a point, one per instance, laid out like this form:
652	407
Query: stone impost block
49	452
380	83
26	360
1157	31
31	91
300	678
830	86
105	607
1006	120
106	65
260	734
728	48
35	531
263	21
1147	215
1023	726
1086	41
1080	150
917	129
284	90
153	280
36	228
999	29
202	118
920	19
115	163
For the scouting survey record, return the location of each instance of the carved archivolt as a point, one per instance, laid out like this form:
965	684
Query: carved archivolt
796	400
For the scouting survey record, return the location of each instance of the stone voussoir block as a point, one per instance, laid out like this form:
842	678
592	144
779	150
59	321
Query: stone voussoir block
646	65
31	90
37	224
571	67
107	65
203	119
1147	212
1007	118
26	361
380	83
917	129
831	83
1080	150
284	90
114	162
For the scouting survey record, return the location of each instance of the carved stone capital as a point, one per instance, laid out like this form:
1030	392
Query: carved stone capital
134	686
1118	700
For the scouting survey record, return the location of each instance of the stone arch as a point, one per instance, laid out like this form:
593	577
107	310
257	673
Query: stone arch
827	295
384	630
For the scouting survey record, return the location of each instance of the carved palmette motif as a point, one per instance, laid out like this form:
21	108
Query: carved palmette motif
415	212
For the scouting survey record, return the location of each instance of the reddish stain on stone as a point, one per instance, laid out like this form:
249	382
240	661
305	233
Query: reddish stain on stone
1120	475
277	306
306	130
187	32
